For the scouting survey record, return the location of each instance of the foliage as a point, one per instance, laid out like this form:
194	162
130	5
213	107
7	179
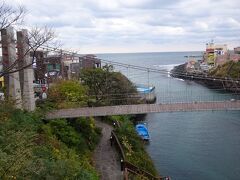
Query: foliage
17	135
30	149
133	145
107	87
229	69
65	133
88	129
6	108
67	93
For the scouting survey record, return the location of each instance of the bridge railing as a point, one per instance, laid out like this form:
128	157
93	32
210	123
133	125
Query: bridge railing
163	98
195	96
169	100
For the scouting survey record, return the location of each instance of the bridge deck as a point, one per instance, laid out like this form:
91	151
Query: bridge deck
142	109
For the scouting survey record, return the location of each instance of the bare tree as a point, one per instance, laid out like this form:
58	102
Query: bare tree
10	15
37	38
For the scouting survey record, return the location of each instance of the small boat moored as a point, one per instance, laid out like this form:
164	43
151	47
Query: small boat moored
142	131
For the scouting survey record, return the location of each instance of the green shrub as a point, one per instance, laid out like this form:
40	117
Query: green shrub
65	133
30	149
68	93
133	145
88	129
229	69
17	135
107	87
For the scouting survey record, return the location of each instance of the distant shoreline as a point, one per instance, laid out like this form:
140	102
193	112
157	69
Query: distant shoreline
144	52
180	72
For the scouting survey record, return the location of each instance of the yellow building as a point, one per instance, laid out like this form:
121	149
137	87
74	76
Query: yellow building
1	82
213	51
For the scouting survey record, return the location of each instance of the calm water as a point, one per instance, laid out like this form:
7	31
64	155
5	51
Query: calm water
186	145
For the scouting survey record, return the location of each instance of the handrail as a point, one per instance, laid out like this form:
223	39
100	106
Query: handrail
116	124
125	165
119	146
136	170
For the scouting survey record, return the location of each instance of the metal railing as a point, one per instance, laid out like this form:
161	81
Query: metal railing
126	166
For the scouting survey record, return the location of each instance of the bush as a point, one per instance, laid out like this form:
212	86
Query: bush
229	69
86	126
66	134
67	94
30	149
17	135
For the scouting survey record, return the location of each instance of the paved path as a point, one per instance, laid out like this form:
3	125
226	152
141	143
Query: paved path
142	109
105	156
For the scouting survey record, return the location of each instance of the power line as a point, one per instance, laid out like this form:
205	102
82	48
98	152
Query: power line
153	70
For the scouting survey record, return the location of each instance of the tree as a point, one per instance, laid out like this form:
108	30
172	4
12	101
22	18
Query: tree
36	38
67	94
10	15
108	87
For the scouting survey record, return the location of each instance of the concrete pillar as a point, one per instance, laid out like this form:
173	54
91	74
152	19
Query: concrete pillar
26	75
12	82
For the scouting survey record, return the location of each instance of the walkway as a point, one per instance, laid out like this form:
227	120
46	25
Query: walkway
142	109
105	156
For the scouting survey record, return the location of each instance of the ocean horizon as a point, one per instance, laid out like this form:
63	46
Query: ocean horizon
185	145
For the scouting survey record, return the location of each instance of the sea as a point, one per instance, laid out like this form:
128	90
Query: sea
185	145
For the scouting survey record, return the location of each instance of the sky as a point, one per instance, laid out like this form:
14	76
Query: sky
108	26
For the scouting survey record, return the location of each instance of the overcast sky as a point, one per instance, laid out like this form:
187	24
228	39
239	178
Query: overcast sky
98	26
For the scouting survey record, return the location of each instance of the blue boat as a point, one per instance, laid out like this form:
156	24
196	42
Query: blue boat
142	131
142	89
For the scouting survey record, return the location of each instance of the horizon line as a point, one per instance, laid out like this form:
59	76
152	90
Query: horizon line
138	52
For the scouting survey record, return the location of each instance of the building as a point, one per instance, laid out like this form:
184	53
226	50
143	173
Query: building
193	65
237	50
39	67
72	65
213	51
75	70
90	61
54	68
62	66
229	56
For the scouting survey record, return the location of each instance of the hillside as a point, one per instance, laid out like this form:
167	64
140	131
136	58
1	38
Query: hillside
230	69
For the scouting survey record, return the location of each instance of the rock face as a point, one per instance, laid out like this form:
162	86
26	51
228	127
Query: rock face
206	80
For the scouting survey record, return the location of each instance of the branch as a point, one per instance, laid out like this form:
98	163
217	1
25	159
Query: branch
37	38
10	15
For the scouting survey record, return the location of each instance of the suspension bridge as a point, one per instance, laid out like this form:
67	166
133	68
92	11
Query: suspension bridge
166	102
143	109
